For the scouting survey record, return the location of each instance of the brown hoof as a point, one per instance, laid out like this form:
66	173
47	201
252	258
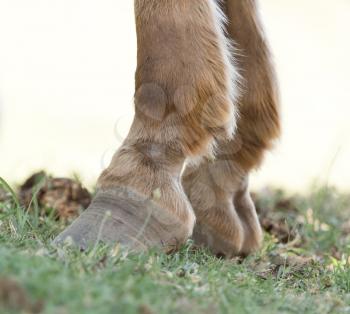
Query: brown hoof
218	243
232	231
123	216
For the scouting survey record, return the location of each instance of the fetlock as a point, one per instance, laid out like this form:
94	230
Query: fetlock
153	171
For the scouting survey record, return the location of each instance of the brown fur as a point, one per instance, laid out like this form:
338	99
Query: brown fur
218	190
181	80
259	123
183	104
182	101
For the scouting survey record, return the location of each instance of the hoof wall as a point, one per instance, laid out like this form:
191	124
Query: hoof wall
122	216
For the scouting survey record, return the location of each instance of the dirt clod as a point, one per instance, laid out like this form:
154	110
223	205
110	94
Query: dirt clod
273	214
66	196
279	229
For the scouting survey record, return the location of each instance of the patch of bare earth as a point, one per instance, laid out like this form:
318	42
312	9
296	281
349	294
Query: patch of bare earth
13	297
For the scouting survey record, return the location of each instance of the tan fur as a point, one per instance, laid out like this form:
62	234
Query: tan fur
182	79
184	106
182	101
218	190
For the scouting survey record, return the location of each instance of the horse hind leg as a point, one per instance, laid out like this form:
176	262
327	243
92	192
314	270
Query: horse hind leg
257	129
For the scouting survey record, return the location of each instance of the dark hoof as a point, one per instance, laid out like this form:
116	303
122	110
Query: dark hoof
122	216
206	237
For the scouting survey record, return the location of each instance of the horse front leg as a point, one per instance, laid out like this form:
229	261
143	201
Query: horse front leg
185	87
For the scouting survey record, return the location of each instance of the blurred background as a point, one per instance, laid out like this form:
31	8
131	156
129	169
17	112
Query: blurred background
66	88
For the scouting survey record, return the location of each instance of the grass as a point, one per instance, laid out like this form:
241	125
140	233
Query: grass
308	273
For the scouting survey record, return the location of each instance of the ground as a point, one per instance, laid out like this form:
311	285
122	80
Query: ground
303	267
